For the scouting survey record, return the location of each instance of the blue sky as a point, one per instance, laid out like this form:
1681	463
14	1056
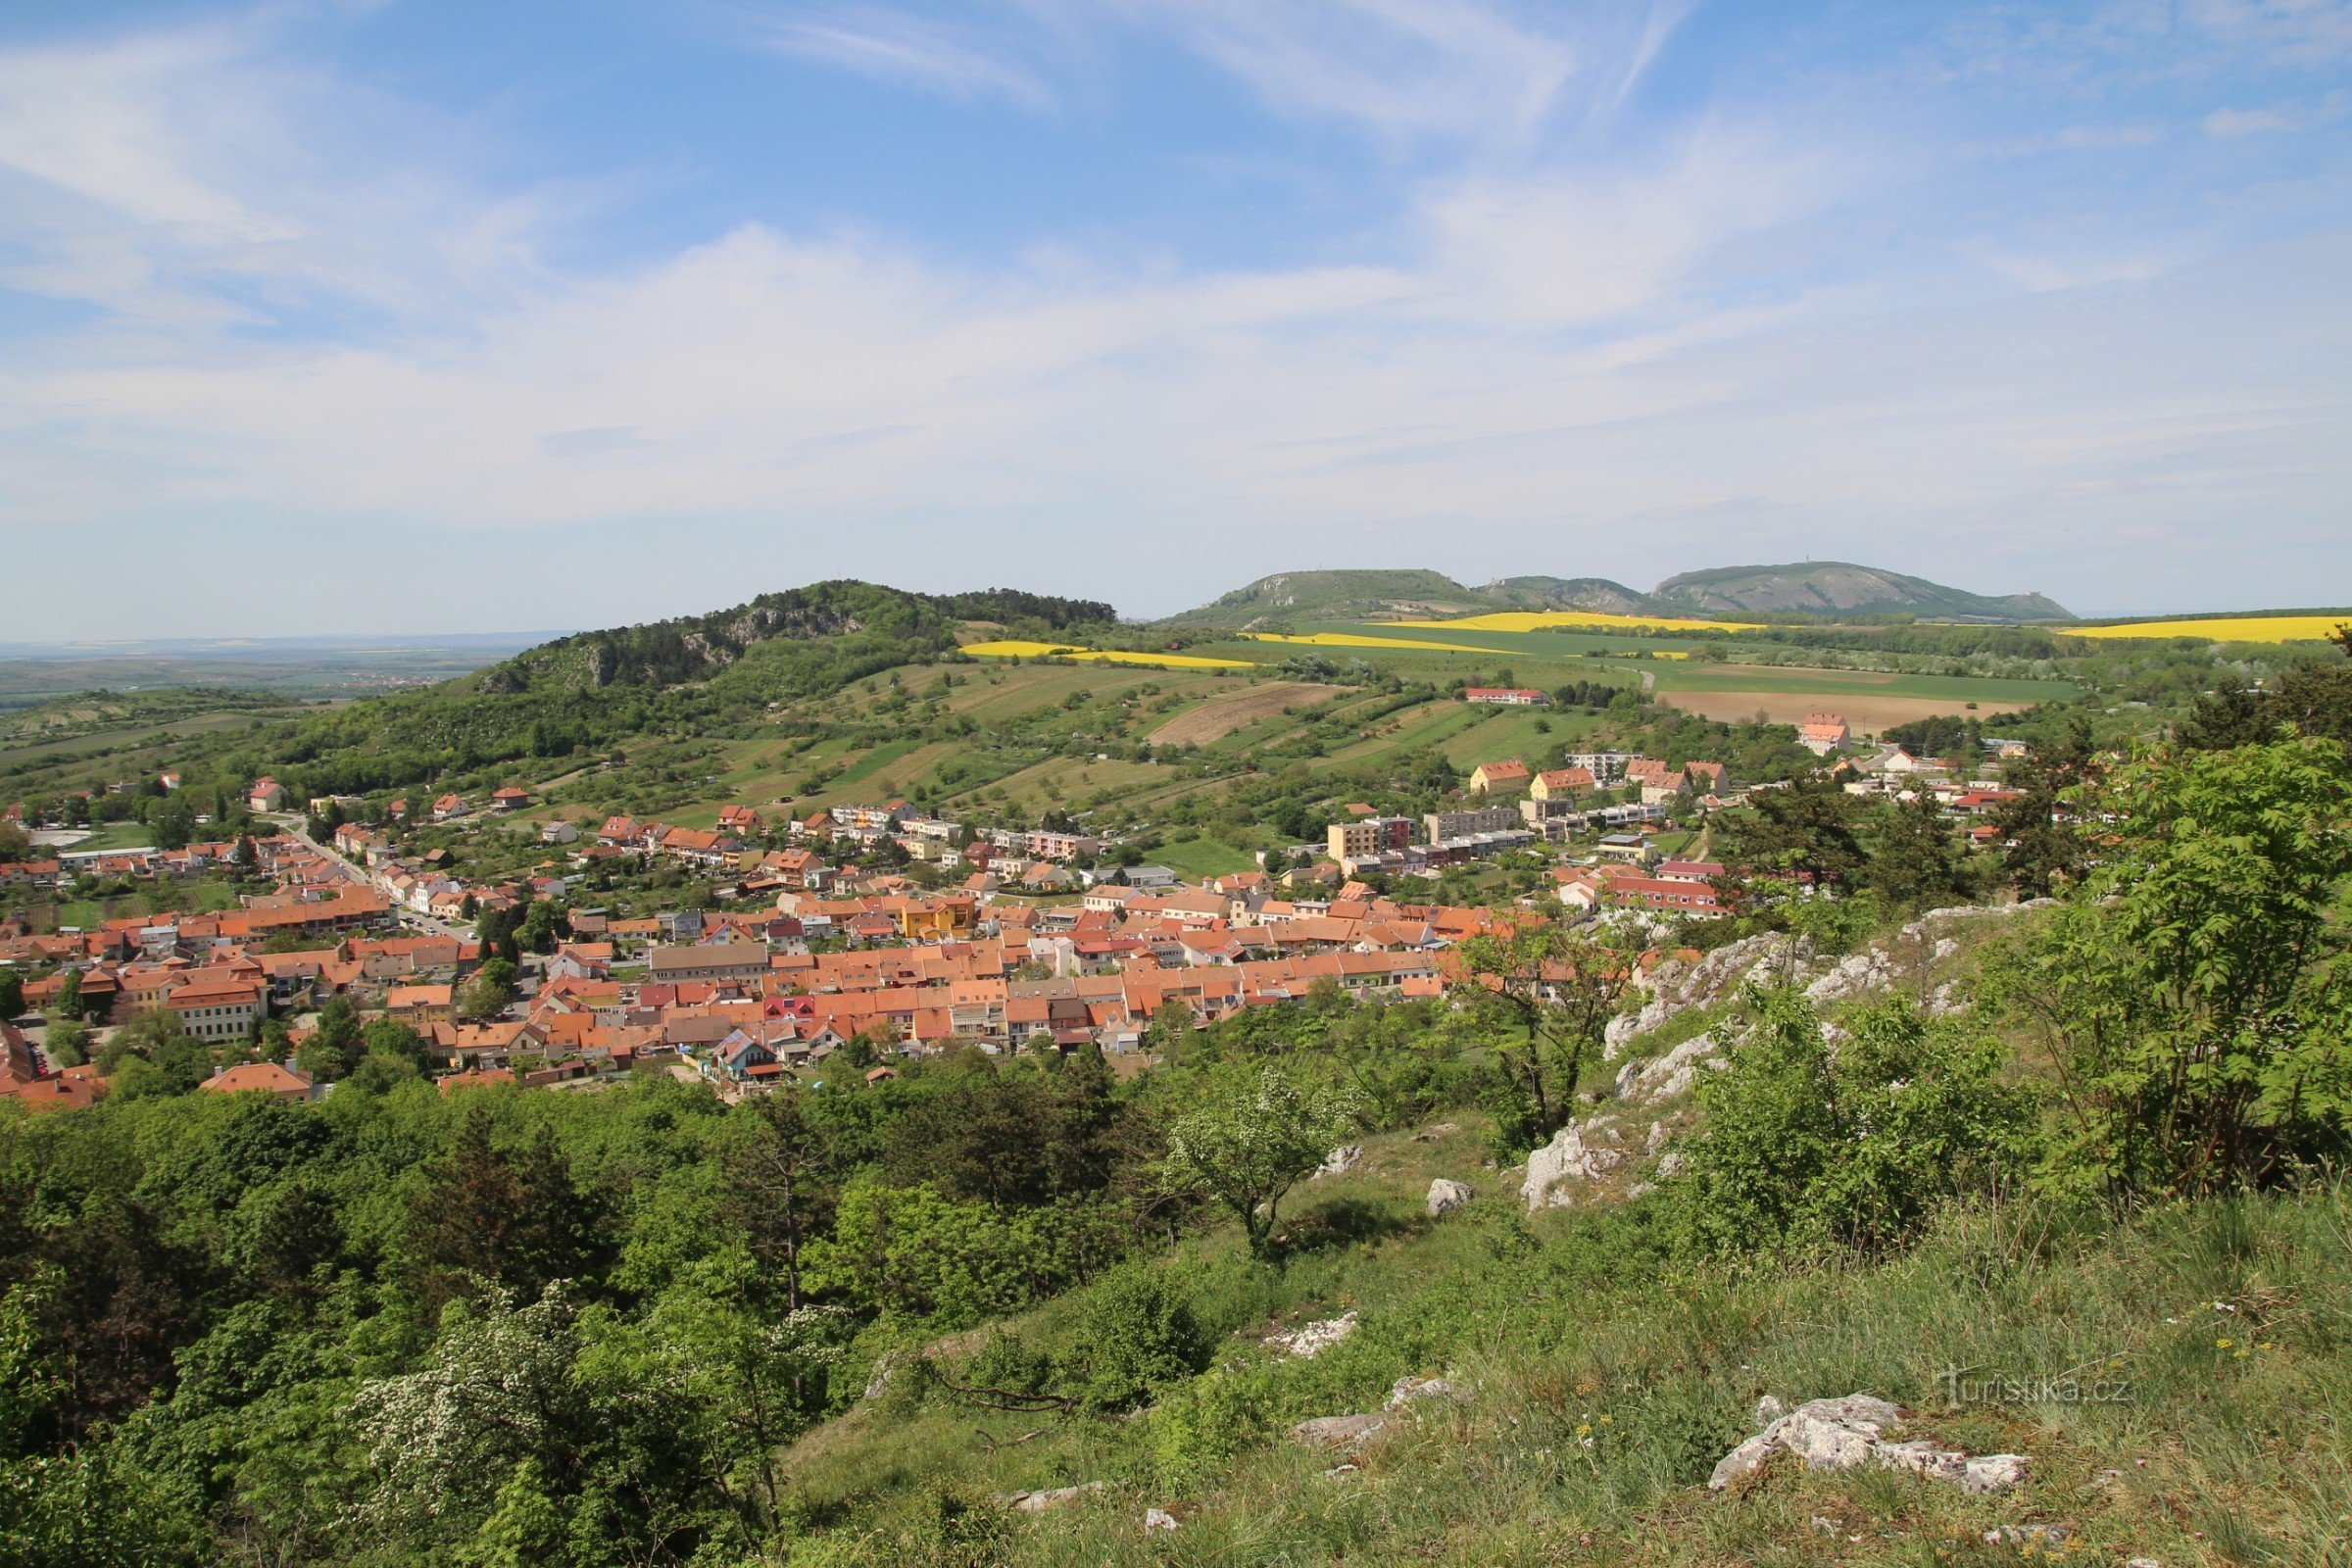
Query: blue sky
320	315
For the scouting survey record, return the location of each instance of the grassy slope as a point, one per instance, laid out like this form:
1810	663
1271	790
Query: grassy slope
2232	1323
1564	1330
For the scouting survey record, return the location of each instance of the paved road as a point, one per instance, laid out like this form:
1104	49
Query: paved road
299	827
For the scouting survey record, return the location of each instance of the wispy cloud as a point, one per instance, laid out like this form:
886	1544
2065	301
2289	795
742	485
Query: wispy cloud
1400	68
918	49
1557	348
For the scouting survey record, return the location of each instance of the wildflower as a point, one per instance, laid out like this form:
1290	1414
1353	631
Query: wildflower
2223	1344
1604	1420
2239	1353
1583	1429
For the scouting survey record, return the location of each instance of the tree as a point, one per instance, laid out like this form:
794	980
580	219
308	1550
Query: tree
751	1379
66	1042
15	843
2046	848
1254	1146
174	823
2310	699
490	989
389	1037
67	1004
1807	831
338	1040
783	1187
509	1216
1542	995
543	925
2197	988
12	994
1917	860
495	927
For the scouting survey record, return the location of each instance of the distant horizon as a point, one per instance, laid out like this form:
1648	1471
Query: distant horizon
226	644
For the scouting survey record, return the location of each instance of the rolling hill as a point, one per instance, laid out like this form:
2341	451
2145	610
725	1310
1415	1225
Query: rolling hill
1570	593
1340	595
1840	588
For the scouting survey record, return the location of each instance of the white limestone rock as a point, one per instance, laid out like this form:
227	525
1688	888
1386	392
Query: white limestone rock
1340	1161
1856	1431
1310	1340
1576	1152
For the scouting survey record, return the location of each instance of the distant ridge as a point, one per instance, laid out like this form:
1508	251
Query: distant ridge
1836	590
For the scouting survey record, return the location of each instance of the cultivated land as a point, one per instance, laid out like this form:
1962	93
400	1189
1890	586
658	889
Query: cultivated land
1220	718
2307	628
1865	714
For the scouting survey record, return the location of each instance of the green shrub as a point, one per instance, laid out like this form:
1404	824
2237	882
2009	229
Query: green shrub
1203	1424
1137	1335
1806	1145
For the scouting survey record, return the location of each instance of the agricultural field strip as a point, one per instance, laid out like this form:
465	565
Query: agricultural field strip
1522	620
2222	630
1564	644
1013	648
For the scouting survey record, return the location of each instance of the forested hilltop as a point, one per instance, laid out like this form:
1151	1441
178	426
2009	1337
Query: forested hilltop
668	653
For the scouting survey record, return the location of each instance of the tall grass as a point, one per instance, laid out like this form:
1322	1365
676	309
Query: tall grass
1604	1385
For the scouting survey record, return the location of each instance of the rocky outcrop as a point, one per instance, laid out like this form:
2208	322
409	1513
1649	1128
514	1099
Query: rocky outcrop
1051	1498
1445	1197
1674	989
1576	1152
1409	1390
1670	1075
1340	1161
885	1367
1310	1340
1853	1433
1856	974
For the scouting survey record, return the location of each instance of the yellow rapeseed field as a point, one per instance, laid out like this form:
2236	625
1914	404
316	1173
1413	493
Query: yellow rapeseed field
1343	639
1014	648
2224	629
1578	620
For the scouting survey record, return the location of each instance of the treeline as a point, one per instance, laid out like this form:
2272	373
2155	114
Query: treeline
1902	637
692	648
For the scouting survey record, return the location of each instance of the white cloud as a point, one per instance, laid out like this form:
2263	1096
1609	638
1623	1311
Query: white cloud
1555	365
2245	121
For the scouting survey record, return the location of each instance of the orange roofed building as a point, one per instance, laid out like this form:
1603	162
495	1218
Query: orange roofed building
260	1077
